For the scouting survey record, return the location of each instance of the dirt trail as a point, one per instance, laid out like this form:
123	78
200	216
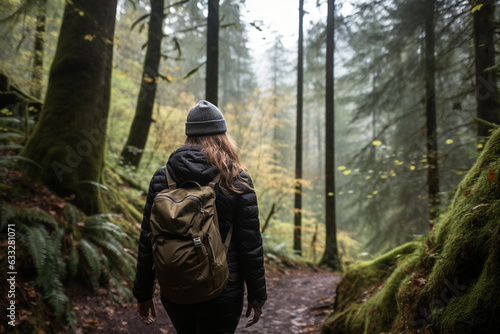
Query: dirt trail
293	298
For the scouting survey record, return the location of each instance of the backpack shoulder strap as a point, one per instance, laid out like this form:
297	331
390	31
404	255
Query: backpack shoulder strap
214	181
228	238
170	182
230	232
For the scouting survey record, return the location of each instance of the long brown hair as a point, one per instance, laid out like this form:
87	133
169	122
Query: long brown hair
222	153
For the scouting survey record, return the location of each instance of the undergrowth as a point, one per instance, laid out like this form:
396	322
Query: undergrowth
53	253
56	244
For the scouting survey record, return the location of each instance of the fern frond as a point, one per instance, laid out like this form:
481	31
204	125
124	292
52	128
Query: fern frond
71	214
10	160
35	239
105	228
10	120
8	147
7	213
108	246
11	136
71	318
119	259
102	217
54	293
51	281
92	258
61	266
72	263
36	216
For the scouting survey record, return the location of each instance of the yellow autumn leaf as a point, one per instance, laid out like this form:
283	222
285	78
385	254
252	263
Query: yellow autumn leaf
384	176
89	37
375	192
330	194
6	112
342	168
476	8
376	142
398	162
449	141
347	172
370	196
148	79
367	177
413	168
479	146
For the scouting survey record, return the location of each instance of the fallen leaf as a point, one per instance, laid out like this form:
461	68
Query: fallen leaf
492	176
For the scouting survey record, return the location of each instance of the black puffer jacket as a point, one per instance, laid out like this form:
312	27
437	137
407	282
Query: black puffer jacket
245	255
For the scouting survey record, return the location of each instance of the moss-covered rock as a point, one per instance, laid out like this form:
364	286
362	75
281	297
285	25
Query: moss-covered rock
447	283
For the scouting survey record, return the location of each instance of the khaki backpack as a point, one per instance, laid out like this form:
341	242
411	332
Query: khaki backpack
188	252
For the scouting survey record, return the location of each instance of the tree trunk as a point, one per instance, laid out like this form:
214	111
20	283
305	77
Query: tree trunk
134	147
430	113
331	255
212	74
68	140
37	76
488	107
297	231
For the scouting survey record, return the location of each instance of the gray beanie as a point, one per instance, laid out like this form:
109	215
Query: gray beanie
205	119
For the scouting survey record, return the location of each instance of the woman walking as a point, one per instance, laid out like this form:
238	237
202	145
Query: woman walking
209	151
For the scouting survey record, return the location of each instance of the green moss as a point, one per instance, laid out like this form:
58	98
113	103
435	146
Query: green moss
448	283
368	290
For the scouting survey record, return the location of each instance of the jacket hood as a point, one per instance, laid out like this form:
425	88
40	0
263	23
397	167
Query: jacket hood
189	163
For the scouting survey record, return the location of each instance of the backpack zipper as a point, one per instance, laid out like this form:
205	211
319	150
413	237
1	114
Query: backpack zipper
197	199
214	262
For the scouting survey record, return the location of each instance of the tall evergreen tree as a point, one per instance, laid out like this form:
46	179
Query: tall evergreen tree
68	140
487	97
237	85
136	142
331	256
212	67
430	111
297	231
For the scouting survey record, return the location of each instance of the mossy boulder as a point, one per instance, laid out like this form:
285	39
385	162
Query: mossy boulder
447	282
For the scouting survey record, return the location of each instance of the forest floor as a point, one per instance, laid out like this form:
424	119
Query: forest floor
299	300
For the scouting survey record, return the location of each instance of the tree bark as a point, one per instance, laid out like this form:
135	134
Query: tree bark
37	75
68	140
297	231
487	97
430	113
136	142
212	73
330	257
